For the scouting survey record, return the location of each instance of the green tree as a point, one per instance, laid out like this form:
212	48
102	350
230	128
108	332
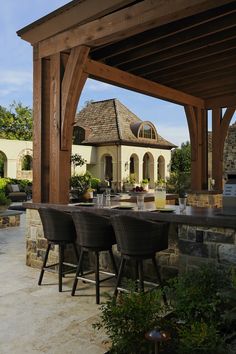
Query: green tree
181	158
16	123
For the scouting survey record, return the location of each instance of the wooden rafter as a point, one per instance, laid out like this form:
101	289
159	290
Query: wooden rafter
120	78
124	23
183	42
205	21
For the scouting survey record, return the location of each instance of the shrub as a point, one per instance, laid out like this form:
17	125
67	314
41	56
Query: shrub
3	199
127	320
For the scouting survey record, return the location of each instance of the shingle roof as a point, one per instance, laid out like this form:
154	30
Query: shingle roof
110	121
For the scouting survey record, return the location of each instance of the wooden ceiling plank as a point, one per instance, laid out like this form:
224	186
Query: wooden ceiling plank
202	35
217	91
199	48
219	65
129	81
202	78
125	23
159	73
220	49
159	33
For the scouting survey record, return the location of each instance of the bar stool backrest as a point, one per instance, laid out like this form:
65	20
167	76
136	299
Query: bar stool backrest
137	236
57	225
94	231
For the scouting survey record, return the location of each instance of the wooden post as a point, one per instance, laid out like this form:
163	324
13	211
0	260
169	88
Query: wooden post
41	135
54	113
197	123
220	124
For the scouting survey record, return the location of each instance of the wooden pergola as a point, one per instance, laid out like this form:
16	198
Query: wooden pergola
182	51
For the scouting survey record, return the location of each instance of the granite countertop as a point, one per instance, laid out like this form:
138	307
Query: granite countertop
193	216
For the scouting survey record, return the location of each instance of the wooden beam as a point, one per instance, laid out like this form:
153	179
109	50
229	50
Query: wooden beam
126	22
69	15
72	85
120	78
221	101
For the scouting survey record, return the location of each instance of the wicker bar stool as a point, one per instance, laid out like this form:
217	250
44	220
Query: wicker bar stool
139	239
59	230
94	234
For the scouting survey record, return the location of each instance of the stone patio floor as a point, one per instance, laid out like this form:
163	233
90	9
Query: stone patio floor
39	319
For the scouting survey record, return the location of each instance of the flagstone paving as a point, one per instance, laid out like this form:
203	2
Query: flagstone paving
39	319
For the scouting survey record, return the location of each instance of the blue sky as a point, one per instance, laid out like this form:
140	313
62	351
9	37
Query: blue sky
16	73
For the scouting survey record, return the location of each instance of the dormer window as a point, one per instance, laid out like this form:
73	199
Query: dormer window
147	131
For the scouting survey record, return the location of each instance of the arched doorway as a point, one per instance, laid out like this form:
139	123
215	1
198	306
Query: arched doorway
3	164
107	168
148	168
27	163
134	167
161	167
24	168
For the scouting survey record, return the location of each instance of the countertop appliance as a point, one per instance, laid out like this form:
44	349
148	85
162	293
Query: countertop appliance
229	195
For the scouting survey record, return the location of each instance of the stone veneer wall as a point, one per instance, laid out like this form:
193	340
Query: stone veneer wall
35	242
189	246
199	245
230	149
205	199
36	247
9	221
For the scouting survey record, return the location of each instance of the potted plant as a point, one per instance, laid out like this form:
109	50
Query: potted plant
129	183
144	183
80	184
4	201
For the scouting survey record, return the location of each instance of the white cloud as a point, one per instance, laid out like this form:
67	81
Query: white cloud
15	77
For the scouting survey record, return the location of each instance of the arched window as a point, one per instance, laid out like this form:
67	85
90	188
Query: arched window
147	131
26	163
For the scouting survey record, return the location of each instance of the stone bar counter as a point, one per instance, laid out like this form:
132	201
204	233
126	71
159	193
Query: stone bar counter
199	235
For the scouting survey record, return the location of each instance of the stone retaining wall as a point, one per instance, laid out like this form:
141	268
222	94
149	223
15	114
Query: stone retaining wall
9	221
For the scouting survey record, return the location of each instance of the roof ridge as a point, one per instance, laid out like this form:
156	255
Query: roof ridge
117	120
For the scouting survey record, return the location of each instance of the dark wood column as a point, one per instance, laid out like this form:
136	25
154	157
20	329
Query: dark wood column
58	82
220	125
197	123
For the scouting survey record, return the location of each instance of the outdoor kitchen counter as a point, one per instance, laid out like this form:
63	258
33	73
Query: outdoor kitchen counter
208	217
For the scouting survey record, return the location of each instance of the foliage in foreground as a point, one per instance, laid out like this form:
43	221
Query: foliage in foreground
127	321
201	315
